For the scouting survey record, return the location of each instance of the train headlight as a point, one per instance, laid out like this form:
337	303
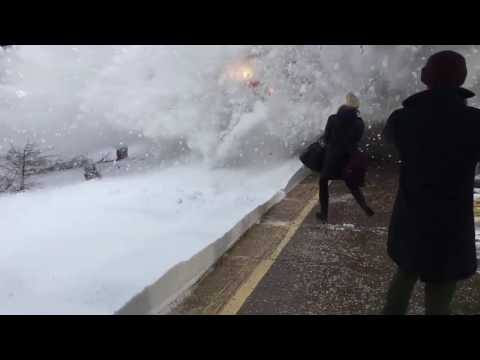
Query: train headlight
241	72
247	73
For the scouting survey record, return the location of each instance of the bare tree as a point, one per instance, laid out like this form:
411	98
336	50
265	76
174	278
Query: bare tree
8	175
6	180
21	163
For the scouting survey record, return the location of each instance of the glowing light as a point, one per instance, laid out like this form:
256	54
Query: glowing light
247	73
242	72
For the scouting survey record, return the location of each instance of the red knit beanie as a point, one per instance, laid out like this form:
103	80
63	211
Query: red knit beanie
445	69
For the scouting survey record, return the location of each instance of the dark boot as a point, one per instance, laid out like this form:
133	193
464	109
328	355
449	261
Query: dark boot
322	214
369	211
360	199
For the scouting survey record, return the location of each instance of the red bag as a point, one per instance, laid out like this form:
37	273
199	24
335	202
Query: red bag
356	169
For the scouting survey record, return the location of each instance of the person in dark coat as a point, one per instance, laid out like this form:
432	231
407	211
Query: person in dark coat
343	132
432	232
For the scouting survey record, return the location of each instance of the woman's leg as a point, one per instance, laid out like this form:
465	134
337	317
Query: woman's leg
399	293
323	199
360	198
438	297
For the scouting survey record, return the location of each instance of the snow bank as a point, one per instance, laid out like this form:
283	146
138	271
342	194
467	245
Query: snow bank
89	248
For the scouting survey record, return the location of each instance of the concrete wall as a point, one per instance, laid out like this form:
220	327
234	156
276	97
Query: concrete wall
158	297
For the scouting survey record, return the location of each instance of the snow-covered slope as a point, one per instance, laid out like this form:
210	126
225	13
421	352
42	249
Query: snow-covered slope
87	248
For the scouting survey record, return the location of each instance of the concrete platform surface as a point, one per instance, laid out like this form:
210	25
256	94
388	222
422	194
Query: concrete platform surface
290	264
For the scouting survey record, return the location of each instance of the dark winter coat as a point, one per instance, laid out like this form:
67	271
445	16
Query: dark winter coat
432	228
343	132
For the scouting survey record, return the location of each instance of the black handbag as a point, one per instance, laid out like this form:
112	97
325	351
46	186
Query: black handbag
313	156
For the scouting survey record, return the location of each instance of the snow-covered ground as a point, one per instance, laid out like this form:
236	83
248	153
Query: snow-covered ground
89	247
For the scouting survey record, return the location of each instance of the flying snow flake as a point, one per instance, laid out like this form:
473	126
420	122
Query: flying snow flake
385	62
20	94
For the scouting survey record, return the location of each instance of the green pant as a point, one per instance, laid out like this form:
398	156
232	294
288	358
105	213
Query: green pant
438	296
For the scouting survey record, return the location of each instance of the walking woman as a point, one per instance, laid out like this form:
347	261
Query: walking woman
343	132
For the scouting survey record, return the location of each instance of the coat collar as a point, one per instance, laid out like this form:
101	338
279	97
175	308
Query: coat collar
460	94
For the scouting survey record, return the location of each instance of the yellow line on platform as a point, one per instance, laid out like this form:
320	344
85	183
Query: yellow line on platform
246	289
476	210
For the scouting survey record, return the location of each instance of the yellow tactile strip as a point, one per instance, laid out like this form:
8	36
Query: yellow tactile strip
244	291
477	209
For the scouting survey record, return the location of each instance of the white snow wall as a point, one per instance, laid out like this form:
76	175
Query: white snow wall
176	99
